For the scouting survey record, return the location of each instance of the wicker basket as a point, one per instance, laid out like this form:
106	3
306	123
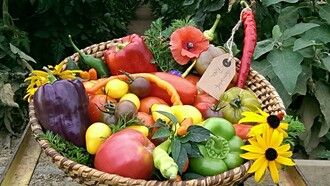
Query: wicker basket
266	93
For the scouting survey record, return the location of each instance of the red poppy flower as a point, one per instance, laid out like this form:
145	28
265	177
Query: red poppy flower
187	43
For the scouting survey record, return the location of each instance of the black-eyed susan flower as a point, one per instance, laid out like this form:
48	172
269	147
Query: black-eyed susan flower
268	153
262	119
38	78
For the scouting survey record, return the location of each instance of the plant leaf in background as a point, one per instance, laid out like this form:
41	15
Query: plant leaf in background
281	61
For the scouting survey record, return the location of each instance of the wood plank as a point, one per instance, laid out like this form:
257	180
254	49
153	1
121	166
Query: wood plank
292	176
21	166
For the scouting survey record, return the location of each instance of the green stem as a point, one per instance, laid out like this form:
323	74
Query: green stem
245	5
76	48
121	46
51	76
189	69
215	24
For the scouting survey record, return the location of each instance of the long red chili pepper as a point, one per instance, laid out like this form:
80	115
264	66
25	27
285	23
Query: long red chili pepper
249	44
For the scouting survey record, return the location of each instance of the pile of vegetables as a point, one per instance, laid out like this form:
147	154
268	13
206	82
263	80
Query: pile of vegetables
137	120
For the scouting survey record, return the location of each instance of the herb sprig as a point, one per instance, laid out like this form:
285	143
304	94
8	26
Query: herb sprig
67	149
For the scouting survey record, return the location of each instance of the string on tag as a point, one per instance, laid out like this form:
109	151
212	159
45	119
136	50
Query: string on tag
230	41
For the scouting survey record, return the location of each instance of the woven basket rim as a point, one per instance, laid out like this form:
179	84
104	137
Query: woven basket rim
266	93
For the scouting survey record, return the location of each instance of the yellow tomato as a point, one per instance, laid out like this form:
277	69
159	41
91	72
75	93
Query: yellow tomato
116	88
133	98
160	107
141	128
184	111
95	135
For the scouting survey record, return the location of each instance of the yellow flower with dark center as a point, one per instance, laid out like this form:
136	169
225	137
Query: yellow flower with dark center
267	152
38	78
262	119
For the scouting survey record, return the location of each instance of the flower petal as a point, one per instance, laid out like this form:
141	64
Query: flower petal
273	171
251	156
259	168
284	161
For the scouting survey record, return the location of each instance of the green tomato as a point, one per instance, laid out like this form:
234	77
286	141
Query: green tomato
237	100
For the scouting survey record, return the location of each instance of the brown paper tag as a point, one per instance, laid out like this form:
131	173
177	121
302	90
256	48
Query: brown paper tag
218	75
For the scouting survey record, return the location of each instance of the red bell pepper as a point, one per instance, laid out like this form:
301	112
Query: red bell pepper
131	55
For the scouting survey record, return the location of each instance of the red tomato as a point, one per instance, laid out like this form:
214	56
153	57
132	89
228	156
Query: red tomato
127	153
203	102
186	90
242	130
147	102
147	119
96	101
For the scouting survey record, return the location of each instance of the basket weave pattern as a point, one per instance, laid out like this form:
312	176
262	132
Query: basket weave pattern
267	96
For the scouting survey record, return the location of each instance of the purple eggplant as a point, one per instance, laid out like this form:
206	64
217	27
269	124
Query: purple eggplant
62	107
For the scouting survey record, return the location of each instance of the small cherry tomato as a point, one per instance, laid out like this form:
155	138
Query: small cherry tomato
97	104
95	135
132	97
147	102
116	88
145	118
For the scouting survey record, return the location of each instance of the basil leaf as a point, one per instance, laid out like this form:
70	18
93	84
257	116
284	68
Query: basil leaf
161	133
199	133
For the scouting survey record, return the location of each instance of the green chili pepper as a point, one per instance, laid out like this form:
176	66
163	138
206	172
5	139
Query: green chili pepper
165	163
96	63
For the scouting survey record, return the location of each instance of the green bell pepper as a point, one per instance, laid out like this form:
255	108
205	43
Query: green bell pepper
221	152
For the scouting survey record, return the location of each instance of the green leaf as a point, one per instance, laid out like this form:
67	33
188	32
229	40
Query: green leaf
308	112
288	17
322	92
194	152
263	47
324	12
7	96
286	65
298	29
301	86
272	2
162	132
175	149
319	34
276	32
302	43
20	53
265	68
326	62
169	116
199	133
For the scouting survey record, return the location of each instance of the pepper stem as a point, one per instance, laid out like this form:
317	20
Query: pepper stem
189	69
120	46
82	55
50	75
244	3
209	34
